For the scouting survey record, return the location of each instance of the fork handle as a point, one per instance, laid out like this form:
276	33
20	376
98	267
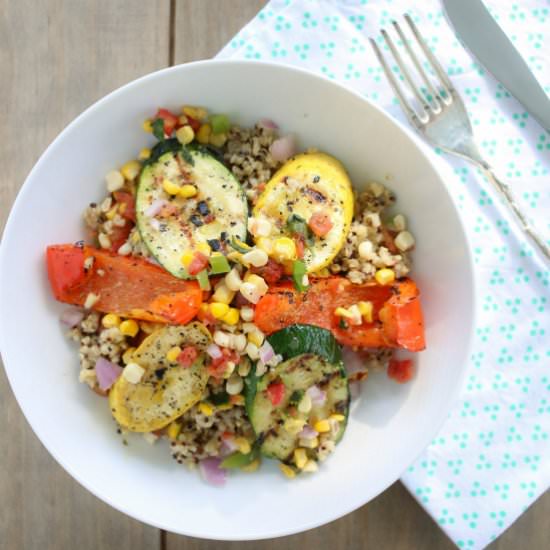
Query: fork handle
504	189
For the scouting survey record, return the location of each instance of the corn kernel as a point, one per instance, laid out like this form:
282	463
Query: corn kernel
112	213
114	180
284	249
300	458
217	140
173	354
203	135
322	426
183	120
110	320
287	470
144	154
256	257
206	409
147	126
198	113
256	337
294	425
185	134
218	309
311	443
252	467
247	314
131	170
342	312
265	244
127	355
305	404
365	308
223	294
133	373
187	258
243	445
323	272
129	327
204	248
385	276
201	113
187	191
173	430
231	317
233	280
149	328
337	417
170	187
355	318
310	466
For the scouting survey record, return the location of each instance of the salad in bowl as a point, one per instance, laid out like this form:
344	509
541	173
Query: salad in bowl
230	293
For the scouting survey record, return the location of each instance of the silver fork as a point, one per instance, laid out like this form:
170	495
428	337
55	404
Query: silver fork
442	118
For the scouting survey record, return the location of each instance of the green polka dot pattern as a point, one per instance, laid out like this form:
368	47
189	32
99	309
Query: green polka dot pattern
491	460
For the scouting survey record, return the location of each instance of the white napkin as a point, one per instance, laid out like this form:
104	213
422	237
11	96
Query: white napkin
491	460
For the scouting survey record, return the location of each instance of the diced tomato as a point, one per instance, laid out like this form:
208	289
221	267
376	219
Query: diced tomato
300	246
169	118
396	310
320	223
198	263
194	123
130	287
127	204
400	371
218	366
276	392
119	236
272	272
187	356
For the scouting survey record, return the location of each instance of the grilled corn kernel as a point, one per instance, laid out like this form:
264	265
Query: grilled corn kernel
187	191
206	409
252	351
287	470
365	308
173	354
385	276
252	467
284	249
127	355
256	257
114	180
131	170
144	154
310	466
173	430
110	320
337	417
322	426
129	327
217	140
187	258
294	425
223	339
170	187
147	126
231	317
243	445
223	294
300	458
218	309
265	244
203	135
311	443
185	134
256	337
404	241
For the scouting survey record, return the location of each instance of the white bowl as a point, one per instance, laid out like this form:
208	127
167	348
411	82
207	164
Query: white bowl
389	426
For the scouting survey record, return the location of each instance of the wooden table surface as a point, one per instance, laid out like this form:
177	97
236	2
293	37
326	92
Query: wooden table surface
56	58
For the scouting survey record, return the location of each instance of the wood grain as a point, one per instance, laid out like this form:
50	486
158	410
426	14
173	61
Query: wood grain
56	58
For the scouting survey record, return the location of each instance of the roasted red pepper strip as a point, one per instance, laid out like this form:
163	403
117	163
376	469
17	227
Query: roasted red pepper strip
130	287
397	314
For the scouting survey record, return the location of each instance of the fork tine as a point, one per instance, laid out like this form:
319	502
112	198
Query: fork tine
409	111
439	70
403	68
435	94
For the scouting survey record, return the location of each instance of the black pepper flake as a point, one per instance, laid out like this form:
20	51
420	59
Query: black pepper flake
223	236
316	179
203	209
196	221
214	244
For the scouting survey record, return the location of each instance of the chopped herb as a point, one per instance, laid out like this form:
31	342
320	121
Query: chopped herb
298	272
203	280
187	155
158	128
220	124
296	397
296	225
342	324
161	148
223	236
219	264
239	246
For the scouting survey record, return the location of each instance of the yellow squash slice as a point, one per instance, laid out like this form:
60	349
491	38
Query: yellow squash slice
308	184
166	389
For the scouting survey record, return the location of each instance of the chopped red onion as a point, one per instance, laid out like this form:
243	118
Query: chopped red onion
106	373
317	395
308	432
211	471
268	124
283	148
214	351
71	317
266	352
155	207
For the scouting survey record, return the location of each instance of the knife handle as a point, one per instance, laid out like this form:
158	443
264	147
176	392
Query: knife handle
504	190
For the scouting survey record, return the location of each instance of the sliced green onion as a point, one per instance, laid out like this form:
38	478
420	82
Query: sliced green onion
239	246
220	124
238	460
296	397
298	272
158	128
219	264
296	225
203	280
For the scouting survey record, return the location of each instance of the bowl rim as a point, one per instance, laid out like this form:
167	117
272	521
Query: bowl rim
421	148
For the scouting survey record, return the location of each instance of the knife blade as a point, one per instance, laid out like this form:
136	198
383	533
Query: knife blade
483	37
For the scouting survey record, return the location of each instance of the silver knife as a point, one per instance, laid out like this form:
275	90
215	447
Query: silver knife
481	34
